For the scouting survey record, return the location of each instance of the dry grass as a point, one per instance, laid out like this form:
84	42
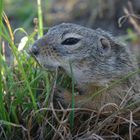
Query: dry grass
88	124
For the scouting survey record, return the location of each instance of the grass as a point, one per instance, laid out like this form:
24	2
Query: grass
18	82
40	19
73	101
26	109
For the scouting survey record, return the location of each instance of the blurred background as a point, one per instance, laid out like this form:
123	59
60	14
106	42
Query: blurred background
119	17
91	13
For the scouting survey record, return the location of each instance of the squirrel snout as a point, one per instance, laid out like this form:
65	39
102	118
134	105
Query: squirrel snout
34	50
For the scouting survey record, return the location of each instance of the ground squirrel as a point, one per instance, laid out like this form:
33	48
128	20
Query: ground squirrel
97	60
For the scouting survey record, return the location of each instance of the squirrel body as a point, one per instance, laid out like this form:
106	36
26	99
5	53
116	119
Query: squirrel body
97	59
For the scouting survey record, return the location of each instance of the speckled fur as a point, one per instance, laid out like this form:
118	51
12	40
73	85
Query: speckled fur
90	67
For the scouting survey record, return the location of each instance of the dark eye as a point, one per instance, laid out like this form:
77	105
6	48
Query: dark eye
70	41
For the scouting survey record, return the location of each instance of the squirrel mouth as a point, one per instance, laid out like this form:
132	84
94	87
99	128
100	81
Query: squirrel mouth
33	56
49	61
50	67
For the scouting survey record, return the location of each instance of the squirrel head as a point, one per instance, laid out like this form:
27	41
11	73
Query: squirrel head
95	56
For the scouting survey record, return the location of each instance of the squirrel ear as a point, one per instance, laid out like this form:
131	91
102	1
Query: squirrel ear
104	46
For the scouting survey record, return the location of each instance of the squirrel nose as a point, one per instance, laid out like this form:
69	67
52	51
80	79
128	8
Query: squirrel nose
34	50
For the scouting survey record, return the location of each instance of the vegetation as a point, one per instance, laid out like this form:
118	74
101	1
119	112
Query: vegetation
26	96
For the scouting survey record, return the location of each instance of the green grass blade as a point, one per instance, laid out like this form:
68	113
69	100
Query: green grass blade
73	101
1	9
2	109
40	18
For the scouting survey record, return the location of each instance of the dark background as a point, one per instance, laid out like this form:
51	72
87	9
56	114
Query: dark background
91	13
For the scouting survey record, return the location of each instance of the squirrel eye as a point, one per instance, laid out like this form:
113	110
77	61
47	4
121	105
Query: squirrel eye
70	41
